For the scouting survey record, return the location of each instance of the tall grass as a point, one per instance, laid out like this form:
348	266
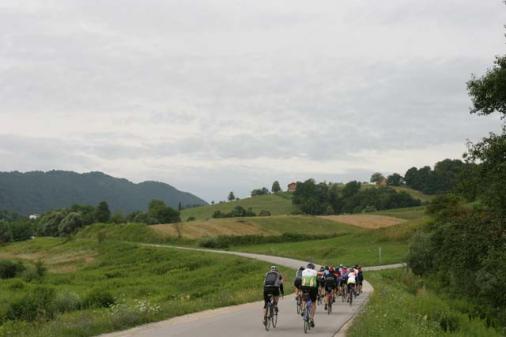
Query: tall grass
403	305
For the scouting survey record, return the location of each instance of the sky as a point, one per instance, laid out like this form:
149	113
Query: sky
230	95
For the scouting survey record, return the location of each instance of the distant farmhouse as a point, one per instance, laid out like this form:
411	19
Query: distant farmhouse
292	187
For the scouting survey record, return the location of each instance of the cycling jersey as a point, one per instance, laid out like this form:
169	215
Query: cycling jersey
309	278
351	278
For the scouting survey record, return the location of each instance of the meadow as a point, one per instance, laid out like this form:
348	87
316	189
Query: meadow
406	305
92	287
276	204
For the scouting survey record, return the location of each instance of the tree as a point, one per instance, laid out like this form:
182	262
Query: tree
70	224
259	191
394	179
231	196
377	178
5	232
488	93
276	187
117	218
158	212
103	214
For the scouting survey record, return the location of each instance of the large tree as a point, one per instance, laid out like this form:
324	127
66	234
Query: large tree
488	92
395	179
103	214
377	178
276	187
231	196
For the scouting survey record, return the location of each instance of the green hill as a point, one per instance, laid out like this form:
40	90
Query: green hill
37	192
277	204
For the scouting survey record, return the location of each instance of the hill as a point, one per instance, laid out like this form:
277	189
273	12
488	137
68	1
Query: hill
37	192
277	204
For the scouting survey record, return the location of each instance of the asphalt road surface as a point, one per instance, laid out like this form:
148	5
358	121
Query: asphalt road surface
245	320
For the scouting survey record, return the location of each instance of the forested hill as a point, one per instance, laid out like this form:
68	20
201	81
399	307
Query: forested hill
37	192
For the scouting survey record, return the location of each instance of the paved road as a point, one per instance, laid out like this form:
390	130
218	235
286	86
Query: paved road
245	320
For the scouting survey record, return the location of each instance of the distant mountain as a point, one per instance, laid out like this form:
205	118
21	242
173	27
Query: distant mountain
37	192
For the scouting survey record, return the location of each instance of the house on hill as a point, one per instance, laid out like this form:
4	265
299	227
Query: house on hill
292	187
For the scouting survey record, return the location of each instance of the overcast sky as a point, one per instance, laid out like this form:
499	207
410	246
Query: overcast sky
214	96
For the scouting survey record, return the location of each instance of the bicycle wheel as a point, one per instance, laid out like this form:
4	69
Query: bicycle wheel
350	297
329	304
297	304
274	316
267	318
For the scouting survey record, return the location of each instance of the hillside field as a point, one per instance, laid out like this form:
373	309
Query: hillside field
93	287
277	204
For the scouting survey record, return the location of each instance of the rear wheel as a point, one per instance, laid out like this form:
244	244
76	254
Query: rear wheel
329	304
274	317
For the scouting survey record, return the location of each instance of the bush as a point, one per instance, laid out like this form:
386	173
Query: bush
420	254
98	298
35	305
10	269
67	301
264	213
190	218
223	241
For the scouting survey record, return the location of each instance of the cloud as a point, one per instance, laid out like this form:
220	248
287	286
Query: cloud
212	96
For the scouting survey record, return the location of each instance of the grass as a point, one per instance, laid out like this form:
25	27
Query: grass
277	204
402	305
146	283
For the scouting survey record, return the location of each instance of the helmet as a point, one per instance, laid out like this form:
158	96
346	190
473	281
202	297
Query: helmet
341	265
310	266
321	268
326	268
301	268
274	268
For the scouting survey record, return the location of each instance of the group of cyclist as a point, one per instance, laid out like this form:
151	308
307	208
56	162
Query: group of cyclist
326	283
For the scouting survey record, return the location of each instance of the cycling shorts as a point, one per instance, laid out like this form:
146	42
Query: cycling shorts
297	283
274	291
312	291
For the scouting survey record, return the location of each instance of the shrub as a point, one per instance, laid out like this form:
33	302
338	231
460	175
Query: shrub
67	301
190	218
10	269
264	213
420	257
98	298
35	305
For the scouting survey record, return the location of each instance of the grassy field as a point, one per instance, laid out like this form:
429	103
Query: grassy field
145	284
271	225
353	245
277	204
402	306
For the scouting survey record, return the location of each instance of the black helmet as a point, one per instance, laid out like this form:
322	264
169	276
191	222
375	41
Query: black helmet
301	268
310	266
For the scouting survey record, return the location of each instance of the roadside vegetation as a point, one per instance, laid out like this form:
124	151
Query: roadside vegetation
52	287
404	304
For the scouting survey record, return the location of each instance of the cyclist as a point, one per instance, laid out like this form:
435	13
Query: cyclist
273	285
338	282
310	287
298	281
351	281
360	280
330	285
321	290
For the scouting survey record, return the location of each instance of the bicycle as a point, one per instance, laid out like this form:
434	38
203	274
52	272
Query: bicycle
306	314
344	292
298	303
351	292
271	317
330	299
